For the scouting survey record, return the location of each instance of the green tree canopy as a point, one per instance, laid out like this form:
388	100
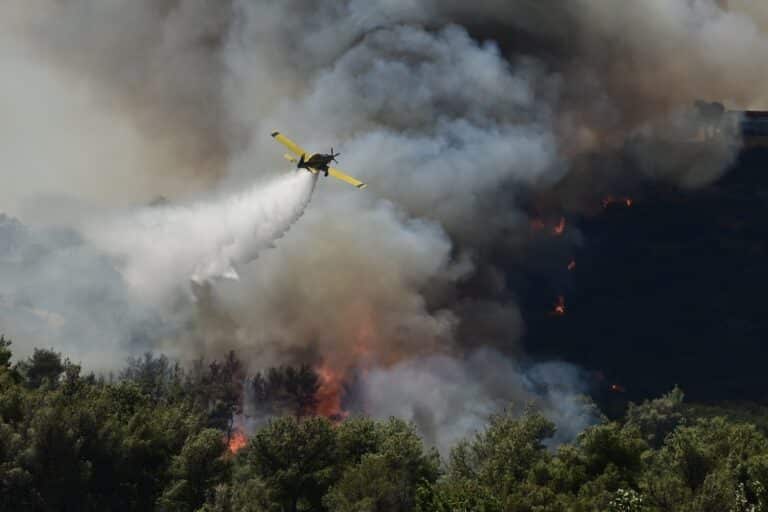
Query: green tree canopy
296	459
45	366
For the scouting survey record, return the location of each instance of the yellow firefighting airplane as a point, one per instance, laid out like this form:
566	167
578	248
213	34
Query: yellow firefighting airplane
315	162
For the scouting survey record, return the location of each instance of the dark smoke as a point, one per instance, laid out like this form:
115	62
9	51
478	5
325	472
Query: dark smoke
466	120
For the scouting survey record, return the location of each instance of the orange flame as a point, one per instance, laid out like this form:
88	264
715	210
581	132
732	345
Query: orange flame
572	265
237	441
329	393
559	309
538	224
560	228
626	201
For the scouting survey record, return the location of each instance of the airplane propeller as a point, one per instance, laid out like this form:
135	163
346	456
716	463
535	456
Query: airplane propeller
334	155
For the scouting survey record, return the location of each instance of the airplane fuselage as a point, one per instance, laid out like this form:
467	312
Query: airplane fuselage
317	161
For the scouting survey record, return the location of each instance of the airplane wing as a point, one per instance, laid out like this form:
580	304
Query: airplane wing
343	177
292	146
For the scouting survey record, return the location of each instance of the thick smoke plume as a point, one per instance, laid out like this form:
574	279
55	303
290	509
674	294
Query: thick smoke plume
463	119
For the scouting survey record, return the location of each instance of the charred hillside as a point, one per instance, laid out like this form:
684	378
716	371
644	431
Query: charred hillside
669	291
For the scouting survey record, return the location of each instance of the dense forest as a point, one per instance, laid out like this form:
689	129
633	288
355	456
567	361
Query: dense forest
159	437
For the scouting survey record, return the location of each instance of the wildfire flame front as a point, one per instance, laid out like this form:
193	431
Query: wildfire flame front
237	441
559	309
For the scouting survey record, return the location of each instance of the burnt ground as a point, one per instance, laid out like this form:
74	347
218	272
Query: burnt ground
671	291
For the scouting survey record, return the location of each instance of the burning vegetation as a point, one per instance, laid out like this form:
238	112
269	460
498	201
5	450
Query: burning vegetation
617	388
302	391
166	451
559	308
554	227
559	229
329	393
237	441
538	224
621	201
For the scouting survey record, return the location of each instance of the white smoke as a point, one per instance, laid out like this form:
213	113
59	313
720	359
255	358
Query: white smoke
162	248
57	291
451	110
450	398
123	285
